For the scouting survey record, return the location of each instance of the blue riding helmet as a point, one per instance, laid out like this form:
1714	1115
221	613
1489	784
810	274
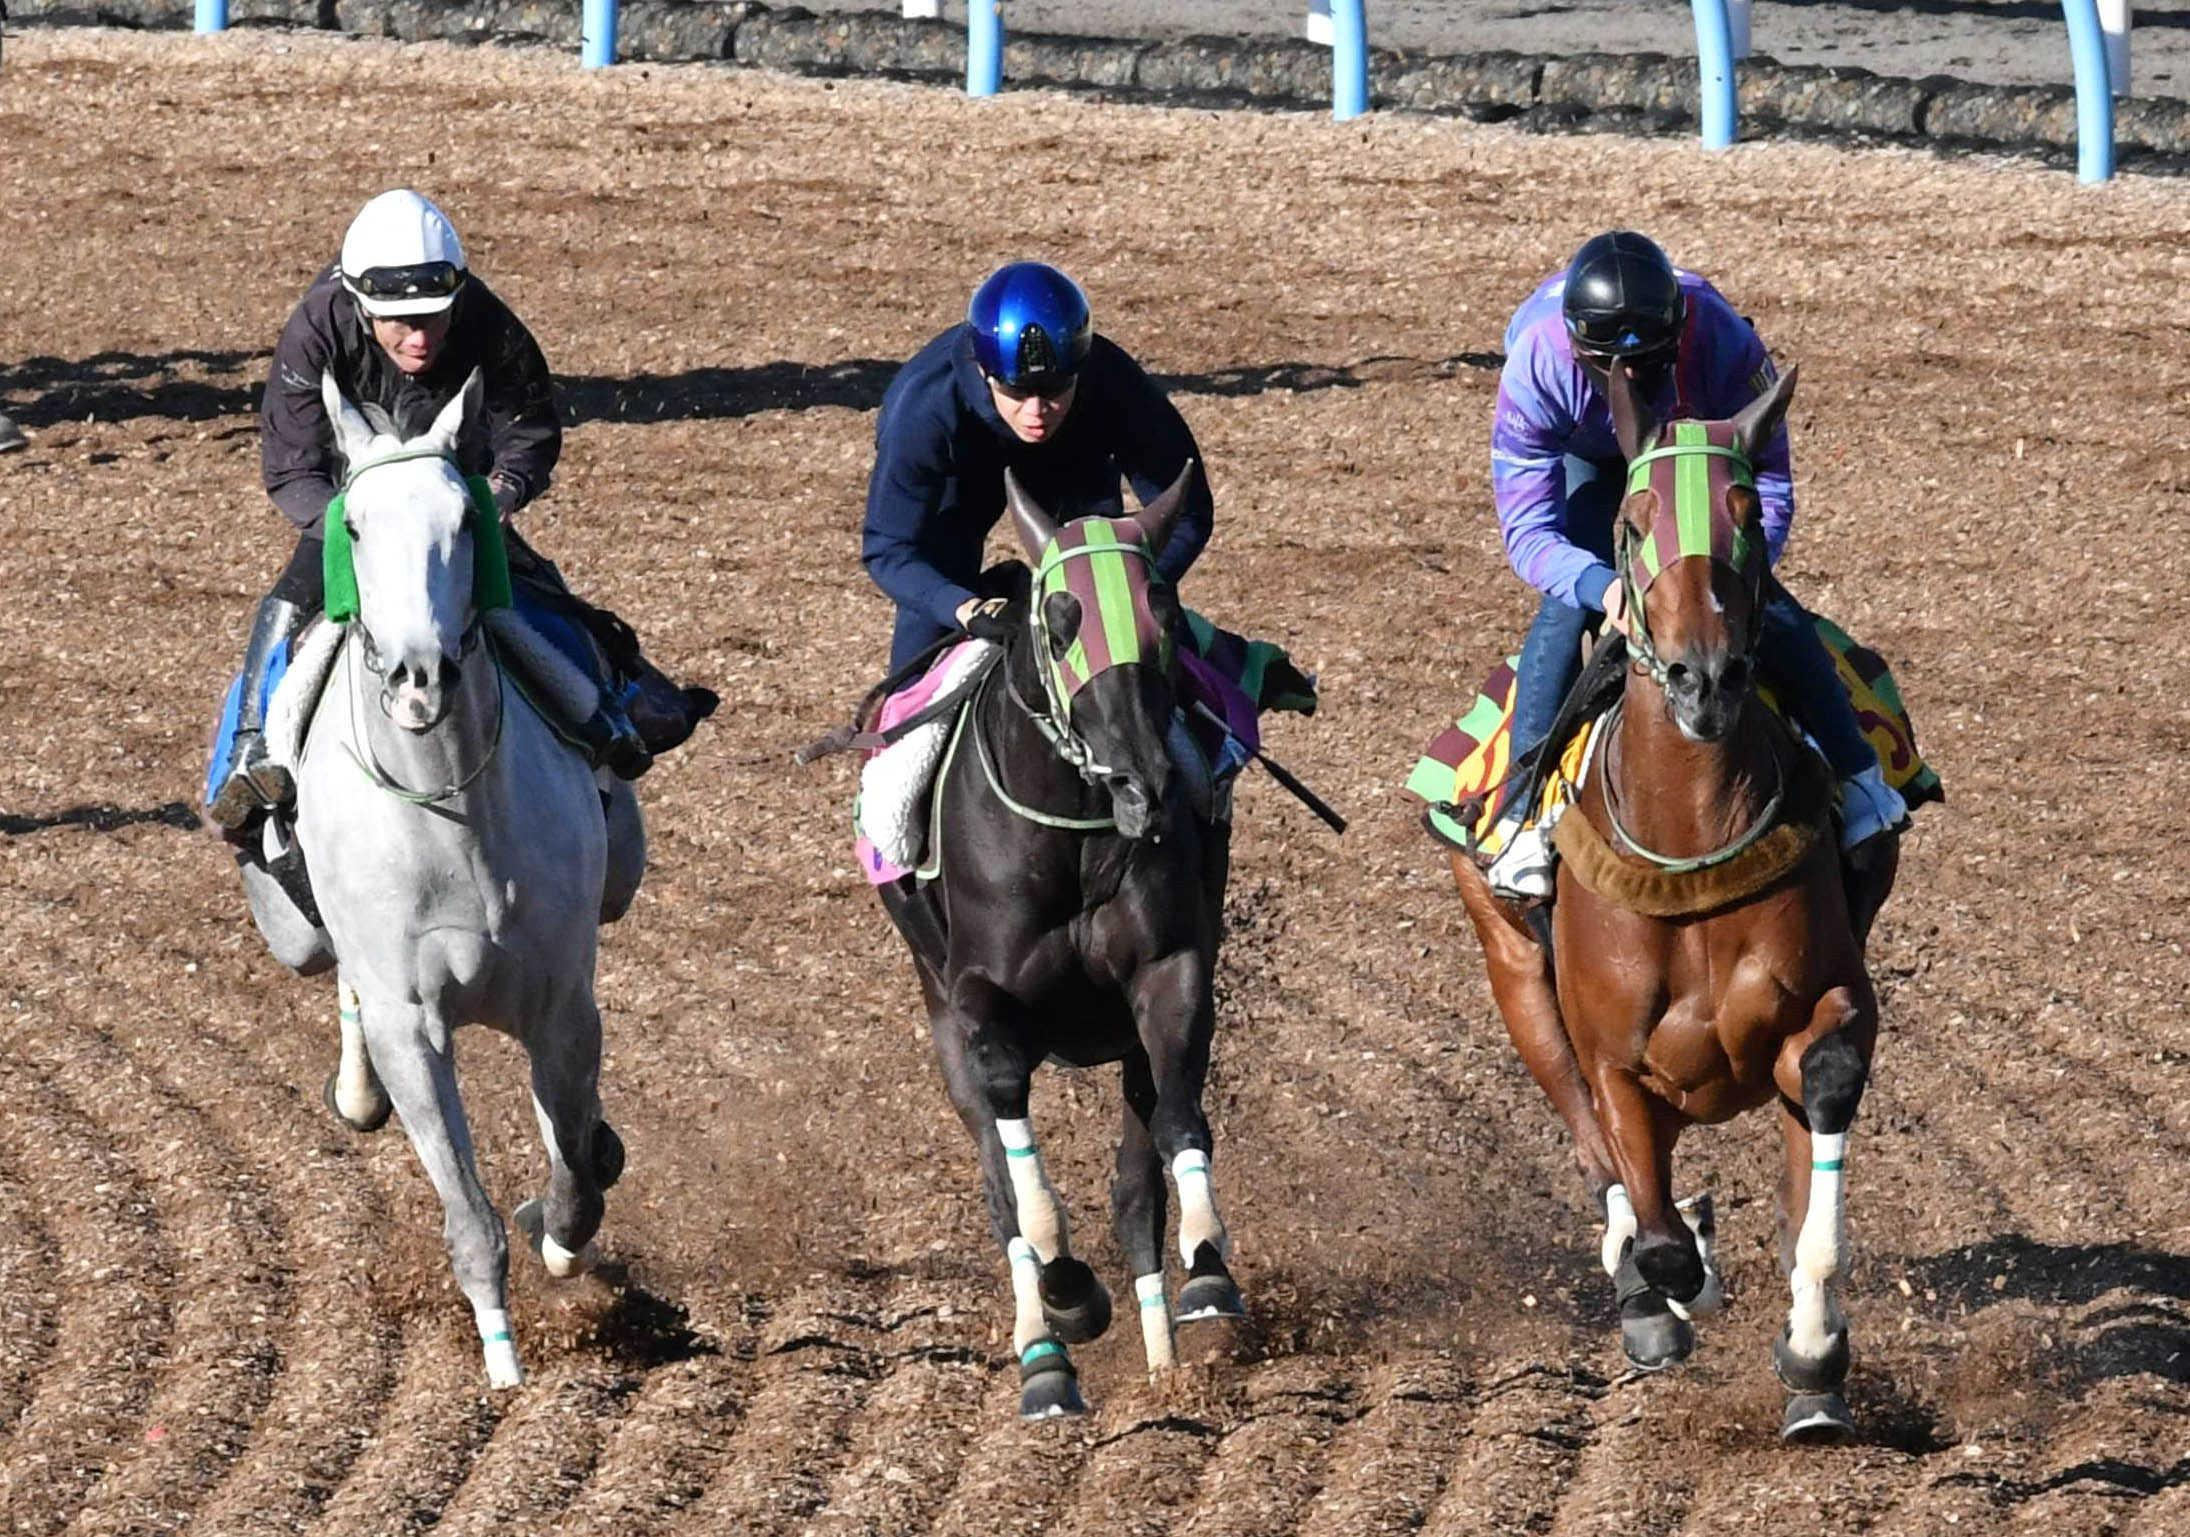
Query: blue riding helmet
1031	327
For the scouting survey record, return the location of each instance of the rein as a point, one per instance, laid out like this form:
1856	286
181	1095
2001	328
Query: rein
1756	832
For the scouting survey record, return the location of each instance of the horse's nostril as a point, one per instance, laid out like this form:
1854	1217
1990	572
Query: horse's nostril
1677	674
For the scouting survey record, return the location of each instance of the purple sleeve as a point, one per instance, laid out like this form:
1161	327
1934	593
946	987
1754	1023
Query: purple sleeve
1744	371
1528	478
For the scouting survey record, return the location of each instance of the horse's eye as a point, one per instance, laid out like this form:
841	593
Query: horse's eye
1061	621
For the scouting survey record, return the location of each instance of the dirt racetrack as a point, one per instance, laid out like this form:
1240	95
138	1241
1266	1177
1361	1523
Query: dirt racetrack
221	1313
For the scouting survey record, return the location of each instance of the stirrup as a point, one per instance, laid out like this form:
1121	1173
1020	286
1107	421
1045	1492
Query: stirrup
614	744
242	796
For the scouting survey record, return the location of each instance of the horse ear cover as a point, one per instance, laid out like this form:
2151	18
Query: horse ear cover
490	586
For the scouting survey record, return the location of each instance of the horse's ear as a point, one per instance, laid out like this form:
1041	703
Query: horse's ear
1160	516
353	434
1761	417
449	425
1634	427
1036	529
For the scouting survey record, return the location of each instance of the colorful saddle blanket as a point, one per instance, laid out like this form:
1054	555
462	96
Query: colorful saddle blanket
1465	774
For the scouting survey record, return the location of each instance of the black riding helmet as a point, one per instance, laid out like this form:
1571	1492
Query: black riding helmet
1622	298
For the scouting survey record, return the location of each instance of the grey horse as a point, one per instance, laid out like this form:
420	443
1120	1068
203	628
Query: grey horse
463	858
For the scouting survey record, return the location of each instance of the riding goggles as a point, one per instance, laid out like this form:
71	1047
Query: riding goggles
426	280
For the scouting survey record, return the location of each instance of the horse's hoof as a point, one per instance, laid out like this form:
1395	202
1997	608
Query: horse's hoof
502	1368
1655	1341
371	1123
1807	1378
1049	1389
561	1263
1209	1292
1075	1303
608	1155
1817	1419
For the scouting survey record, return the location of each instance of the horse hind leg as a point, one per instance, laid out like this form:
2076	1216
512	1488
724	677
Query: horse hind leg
585	1156
1811	1355
353	1092
418	1066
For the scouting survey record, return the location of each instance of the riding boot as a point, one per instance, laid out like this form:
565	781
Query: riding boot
664	714
253	779
613	742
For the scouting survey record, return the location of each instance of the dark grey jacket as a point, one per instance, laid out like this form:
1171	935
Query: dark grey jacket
516	445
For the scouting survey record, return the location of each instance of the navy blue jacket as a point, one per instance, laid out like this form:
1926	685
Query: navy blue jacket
941	452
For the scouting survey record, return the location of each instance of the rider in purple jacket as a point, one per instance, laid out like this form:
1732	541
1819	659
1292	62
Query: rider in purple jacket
1558	477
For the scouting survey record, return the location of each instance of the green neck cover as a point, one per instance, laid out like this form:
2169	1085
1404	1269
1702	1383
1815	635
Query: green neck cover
489	556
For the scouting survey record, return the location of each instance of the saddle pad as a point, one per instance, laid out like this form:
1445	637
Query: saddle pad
1462	773
912	757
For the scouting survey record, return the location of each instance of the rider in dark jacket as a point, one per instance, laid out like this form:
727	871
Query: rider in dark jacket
1025	384
401	324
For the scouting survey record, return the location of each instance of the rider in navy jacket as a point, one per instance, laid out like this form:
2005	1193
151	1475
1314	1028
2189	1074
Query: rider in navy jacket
1023	384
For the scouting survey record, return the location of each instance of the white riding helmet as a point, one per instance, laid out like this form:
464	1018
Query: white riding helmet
401	256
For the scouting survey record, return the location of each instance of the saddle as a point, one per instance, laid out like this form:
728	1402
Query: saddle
1468	777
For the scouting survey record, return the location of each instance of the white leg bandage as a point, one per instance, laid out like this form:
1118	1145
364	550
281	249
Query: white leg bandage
1619	1227
1041	1214
1198	1219
500	1346
358	1094
1816	1317
1155	1321
1028	1324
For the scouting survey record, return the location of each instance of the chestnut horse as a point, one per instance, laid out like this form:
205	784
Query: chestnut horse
1705	943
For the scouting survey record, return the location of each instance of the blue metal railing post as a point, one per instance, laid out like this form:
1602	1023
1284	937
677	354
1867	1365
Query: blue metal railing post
212	16
984	47
597	34
2094	99
1715	72
1349	59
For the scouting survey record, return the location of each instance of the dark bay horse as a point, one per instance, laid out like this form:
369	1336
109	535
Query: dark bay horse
1706	939
1076	919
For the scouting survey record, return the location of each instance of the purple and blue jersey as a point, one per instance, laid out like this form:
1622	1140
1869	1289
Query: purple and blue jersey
1550	408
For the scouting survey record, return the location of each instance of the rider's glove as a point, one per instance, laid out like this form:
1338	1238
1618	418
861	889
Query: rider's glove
984	620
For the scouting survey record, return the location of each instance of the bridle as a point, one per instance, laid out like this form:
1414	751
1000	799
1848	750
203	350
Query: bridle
1052	716
1693	513
369	764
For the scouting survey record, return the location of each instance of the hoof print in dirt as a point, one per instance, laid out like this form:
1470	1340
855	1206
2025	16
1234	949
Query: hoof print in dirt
1074	1302
1209	1293
1049	1388
371	1123
1817	1419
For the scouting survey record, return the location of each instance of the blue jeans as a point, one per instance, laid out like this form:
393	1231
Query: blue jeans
1788	648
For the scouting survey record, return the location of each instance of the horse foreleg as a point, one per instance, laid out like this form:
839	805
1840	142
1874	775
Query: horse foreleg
1056	1299
353	1091
1137	1205
1830	1064
1522	985
1175	1013
1649	1249
584	1154
415	1055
